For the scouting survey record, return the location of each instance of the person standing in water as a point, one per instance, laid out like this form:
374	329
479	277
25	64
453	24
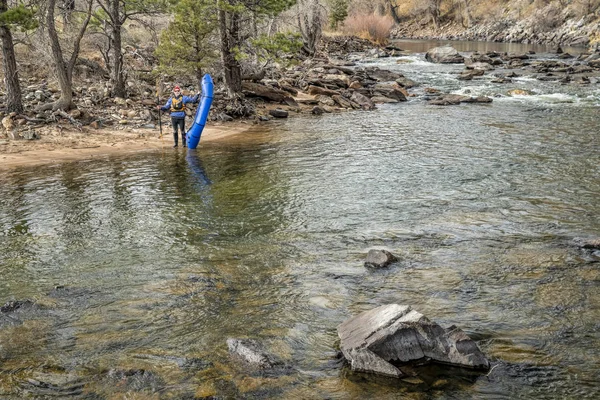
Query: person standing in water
176	105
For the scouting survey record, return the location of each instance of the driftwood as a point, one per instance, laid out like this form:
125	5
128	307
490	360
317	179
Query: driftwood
66	116
34	120
254	77
266	92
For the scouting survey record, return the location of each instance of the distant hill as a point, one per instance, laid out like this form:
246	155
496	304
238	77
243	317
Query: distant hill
557	22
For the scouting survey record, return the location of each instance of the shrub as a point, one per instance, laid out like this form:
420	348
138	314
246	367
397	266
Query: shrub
376	28
547	18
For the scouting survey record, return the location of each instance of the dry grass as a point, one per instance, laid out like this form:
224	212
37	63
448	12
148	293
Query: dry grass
376	28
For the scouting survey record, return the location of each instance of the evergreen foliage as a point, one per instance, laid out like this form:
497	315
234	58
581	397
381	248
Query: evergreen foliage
19	16
187	45
338	13
278	47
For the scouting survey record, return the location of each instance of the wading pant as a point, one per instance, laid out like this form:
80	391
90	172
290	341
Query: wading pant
178	124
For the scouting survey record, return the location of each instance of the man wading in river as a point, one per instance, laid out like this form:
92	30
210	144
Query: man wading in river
176	104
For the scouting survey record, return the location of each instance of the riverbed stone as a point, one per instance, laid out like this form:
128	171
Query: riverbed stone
379	258
391	91
365	102
406	83
16	311
381	340
444	55
382	75
588	243
383	99
317	110
520	92
278	113
469	74
449	100
252	352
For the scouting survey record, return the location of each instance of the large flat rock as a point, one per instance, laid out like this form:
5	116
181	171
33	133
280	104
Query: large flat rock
381	339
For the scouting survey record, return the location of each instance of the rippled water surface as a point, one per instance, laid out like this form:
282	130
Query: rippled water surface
139	268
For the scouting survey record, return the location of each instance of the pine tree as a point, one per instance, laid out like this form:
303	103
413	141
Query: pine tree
187	45
233	25
338	13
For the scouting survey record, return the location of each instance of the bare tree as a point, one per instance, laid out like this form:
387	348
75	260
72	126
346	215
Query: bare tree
392	7
64	69
229	29
115	14
310	23
433	9
462	12
66	9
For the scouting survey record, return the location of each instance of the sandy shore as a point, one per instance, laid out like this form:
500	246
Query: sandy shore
64	145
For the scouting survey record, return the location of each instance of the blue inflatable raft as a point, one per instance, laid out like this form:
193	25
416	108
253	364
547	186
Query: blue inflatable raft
193	135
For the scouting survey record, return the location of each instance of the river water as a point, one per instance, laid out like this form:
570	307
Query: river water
140	267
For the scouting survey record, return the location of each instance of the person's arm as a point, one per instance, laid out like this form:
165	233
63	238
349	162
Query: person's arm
166	106
187	99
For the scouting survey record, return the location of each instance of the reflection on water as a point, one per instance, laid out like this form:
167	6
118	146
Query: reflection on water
138	269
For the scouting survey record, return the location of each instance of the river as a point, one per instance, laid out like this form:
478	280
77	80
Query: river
139	268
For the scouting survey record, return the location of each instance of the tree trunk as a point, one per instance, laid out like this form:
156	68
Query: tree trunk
310	27
434	12
65	102
462	12
117	78
466	15
232	72
394	12
14	102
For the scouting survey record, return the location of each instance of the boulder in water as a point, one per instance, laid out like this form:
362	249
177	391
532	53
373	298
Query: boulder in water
444	55
380	340
379	258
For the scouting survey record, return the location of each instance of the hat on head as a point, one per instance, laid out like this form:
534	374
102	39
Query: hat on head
176	88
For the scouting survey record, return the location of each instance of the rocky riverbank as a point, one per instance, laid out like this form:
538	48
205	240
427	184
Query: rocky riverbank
330	82
546	26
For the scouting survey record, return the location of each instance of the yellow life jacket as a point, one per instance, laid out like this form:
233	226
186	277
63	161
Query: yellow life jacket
177	103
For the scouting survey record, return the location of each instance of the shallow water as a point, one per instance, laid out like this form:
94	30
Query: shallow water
141	266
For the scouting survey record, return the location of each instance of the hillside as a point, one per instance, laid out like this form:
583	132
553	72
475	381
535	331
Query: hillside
557	22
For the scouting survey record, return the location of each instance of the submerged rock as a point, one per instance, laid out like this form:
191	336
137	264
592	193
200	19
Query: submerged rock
379	258
454	99
593	244
135	380
252	352
14	312
14	305
382	339
53	385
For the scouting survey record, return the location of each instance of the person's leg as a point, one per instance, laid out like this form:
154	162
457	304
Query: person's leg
175	125
183	136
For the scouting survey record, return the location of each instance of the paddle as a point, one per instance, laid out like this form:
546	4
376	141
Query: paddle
158	93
